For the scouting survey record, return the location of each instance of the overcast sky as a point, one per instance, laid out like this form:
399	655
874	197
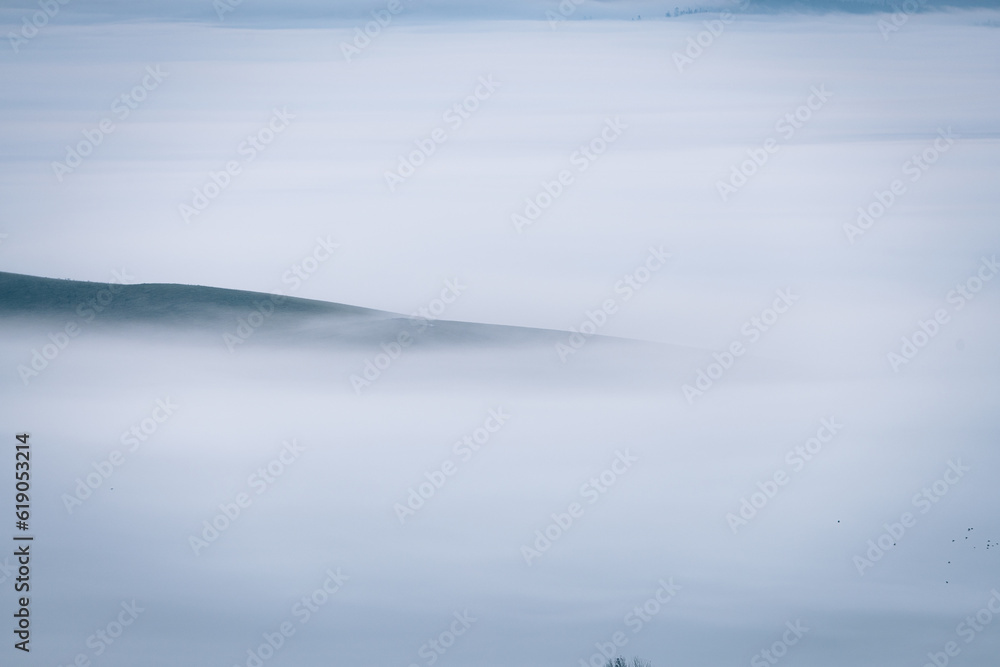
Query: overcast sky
325	174
311	10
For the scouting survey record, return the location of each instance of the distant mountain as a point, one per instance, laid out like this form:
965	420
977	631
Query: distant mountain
166	315
236	312
23	294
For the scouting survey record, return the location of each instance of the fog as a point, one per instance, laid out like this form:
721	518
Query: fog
715	320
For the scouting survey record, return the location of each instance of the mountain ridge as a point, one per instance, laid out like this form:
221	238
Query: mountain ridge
226	309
